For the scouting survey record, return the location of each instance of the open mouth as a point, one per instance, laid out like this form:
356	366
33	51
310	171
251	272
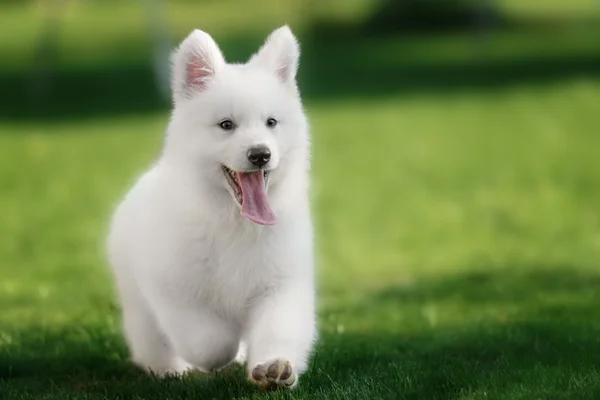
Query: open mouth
249	189
234	182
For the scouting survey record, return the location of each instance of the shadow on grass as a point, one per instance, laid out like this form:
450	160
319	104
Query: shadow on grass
332	68
549	355
518	285
92	362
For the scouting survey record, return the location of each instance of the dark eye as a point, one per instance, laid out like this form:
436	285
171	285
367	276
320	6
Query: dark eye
271	122
227	125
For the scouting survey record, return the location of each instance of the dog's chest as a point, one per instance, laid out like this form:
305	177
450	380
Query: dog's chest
228	269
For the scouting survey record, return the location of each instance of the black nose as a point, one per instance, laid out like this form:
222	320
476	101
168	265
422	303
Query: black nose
259	155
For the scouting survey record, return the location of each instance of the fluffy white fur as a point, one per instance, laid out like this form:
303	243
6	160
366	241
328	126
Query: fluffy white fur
200	284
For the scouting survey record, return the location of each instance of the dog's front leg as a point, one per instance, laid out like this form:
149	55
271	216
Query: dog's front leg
198	335
281	334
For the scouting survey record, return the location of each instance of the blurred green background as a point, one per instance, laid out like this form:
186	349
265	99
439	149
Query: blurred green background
455	191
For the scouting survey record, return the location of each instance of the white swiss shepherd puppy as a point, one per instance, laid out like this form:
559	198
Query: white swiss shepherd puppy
212	249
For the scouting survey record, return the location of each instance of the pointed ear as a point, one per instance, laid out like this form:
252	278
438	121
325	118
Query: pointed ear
280	54
195	64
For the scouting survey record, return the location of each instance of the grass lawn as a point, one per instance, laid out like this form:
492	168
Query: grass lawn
459	260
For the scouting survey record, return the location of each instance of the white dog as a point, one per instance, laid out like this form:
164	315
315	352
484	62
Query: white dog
212	249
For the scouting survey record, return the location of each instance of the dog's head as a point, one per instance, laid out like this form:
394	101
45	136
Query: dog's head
240	126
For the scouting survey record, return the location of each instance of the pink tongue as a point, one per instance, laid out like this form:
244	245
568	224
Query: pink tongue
255	205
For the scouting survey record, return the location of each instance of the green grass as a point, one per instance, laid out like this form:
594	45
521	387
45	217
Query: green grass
455	201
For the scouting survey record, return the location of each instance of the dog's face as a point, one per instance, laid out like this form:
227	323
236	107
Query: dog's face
241	125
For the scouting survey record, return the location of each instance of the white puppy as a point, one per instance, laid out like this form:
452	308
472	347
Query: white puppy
212	248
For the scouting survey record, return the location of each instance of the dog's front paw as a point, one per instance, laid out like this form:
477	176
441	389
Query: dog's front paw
274	373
